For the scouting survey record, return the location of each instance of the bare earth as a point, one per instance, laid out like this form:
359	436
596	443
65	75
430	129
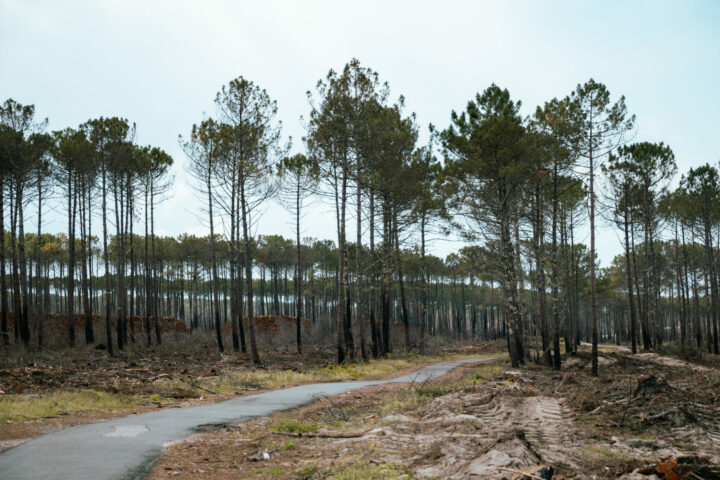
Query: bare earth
643	414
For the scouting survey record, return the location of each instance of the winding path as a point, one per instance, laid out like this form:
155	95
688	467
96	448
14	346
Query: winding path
126	447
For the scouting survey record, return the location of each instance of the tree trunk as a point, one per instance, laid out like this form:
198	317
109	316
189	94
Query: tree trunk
148	295
593	300
360	315
106	259
631	302
248	278
71	262
38	277
401	285
423	287
373	280
3	285
24	321
215	299
298	272
153	263
342	288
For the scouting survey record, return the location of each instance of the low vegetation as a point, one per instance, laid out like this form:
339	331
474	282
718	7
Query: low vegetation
16	408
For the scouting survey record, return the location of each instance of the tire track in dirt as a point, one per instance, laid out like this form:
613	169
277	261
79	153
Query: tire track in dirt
492	431
544	422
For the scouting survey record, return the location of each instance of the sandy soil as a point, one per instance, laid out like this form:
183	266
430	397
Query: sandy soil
633	421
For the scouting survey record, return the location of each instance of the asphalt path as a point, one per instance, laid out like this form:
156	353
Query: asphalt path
127	447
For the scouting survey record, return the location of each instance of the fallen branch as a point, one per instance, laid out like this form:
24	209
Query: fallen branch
561	381
195	385
519	472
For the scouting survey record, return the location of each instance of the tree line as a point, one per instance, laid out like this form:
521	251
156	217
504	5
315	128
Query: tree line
516	188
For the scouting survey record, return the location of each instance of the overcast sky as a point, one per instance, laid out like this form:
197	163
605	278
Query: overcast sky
160	63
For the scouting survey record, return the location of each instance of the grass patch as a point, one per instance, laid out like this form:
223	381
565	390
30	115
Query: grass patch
24	407
292	425
604	453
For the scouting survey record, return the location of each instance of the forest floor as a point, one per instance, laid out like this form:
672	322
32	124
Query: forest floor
44	391
648	414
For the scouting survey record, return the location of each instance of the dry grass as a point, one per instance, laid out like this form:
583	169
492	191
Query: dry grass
232	380
14	408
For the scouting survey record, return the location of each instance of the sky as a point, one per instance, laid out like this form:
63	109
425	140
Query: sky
160	63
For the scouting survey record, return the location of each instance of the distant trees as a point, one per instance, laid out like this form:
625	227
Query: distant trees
514	188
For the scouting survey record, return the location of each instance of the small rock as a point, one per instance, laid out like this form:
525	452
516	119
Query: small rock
259	456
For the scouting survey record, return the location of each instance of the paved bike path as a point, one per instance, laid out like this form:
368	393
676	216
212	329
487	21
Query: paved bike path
127	447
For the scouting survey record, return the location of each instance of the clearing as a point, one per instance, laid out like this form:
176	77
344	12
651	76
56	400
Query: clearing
647	414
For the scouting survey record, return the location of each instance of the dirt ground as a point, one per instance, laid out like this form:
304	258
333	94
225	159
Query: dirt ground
645	417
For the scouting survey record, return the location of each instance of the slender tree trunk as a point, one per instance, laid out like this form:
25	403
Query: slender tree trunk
233	270
628	267
298	272
119	264
106	259
131	251
509	290
15	268
360	315
401	285
593	299
555	273
71	261
215	298
24	321
148	294
84	215
713	285
342	290
423	287
248	277
680	290
240	291
3	283
373	280
153	263
385	285
38	277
